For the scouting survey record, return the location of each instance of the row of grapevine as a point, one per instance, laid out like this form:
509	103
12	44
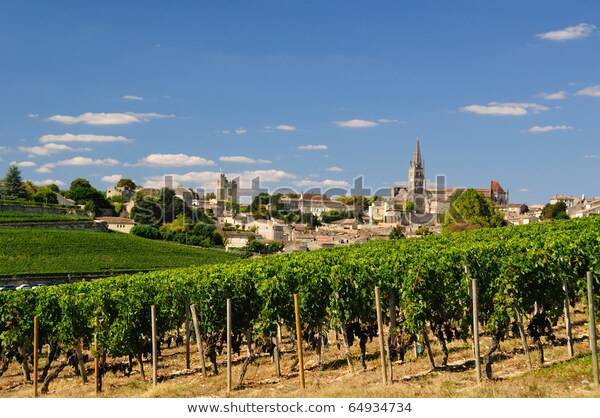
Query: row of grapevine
520	270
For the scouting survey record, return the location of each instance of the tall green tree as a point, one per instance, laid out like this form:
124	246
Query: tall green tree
82	192
556	211
13	184
127	184
470	207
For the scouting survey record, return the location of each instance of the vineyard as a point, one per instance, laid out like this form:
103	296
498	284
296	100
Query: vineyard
8	216
34	251
527	277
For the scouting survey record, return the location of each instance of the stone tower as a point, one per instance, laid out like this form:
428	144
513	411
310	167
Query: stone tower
416	180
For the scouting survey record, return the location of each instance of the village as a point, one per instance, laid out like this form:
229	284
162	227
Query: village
310	221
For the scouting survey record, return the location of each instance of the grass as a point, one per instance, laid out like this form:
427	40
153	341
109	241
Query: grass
9	216
37	251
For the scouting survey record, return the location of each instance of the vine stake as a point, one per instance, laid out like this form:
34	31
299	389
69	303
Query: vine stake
188	364
592	326
229	345
199	342
384	376
299	341
568	328
35	356
154	350
523	337
476	330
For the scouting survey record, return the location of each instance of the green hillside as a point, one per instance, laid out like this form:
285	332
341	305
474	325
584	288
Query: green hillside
9	216
31	251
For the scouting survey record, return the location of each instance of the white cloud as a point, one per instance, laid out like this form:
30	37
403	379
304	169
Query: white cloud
240	131
49	149
549	128
327	183
173	160
504	109
592	156
383	120
91	118
23	163
593	91
208	179
225	131
334	169
559	95
33	115
239	159
132	97
47	182
524	190
356	123
77	161
113	178
283	127
318	147
583	30
82	138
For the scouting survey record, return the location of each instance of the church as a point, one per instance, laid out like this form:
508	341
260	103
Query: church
414	202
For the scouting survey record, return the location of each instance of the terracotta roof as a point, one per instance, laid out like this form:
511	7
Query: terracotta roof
496	187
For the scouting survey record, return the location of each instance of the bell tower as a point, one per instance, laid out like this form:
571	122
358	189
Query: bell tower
416	180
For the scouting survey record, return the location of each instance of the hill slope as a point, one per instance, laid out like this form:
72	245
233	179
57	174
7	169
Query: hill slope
34	251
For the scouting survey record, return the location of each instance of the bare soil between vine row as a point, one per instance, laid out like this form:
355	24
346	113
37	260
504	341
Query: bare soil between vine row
558	377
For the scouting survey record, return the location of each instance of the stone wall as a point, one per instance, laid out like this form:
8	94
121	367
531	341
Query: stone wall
40	209
90	225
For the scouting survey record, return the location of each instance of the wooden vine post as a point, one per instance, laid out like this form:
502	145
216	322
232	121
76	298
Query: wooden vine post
592	326
391	333
299	341
154	347
474	289
523	337
97	373
276	341
188	363
199	342
229	381
568	327
384	376
35	356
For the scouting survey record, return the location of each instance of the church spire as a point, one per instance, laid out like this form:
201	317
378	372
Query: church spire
417	155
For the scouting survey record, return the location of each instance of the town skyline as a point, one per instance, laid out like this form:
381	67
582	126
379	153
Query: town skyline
294	112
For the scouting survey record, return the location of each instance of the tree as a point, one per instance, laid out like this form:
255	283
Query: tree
45	195
397	233
555	211
423	231
171	205
13	184
127	184
82	192
472	208
409	206
30	188
523	209
146	210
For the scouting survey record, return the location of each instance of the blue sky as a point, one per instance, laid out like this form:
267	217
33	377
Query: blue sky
304	93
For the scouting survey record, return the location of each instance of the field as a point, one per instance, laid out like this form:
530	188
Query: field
34	251
9	216
521	279
559	377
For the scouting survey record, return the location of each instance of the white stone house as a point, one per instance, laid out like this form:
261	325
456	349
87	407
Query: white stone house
117	224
